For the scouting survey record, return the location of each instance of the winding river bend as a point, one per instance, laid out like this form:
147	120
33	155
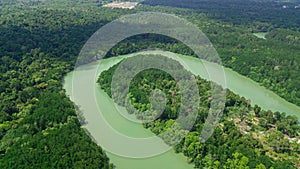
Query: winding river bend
92	99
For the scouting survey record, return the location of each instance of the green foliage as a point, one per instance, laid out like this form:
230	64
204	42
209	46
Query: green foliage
271	62
38	123
224	148
63	146
149	41
237	162
288	36
52	3
261	15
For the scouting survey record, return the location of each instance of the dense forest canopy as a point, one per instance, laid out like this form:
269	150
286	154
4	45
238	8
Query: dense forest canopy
247	12
51	3
273	62
38	121
238	137
40	41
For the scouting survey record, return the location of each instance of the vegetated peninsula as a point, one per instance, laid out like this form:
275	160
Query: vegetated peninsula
246	136
39	45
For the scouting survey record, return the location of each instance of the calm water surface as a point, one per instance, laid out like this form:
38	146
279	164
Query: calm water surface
98	108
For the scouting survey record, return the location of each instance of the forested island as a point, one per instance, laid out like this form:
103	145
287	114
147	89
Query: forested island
40	42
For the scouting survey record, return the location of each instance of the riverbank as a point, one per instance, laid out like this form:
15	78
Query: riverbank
98	108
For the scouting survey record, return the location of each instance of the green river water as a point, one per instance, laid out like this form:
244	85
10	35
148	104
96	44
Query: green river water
261	35
97	107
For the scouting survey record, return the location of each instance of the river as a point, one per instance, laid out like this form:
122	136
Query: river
91	99
261	35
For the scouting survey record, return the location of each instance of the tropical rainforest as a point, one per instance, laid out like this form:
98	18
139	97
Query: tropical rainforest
39	44
246	137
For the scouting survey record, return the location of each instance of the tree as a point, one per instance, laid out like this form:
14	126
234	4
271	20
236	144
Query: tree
238	161
260	166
